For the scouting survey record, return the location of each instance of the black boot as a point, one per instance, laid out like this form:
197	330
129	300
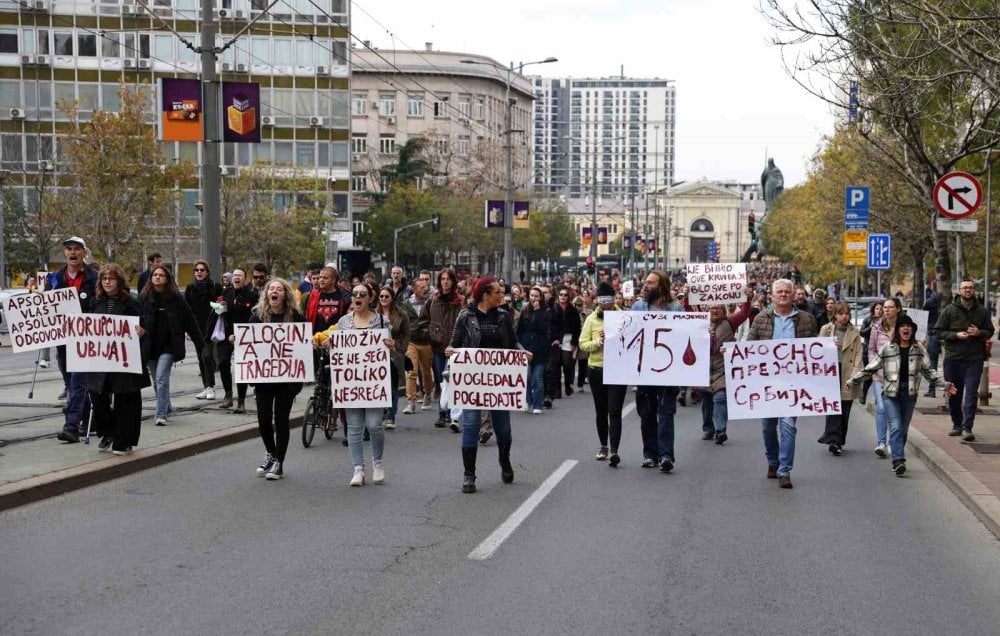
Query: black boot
469	462
506	470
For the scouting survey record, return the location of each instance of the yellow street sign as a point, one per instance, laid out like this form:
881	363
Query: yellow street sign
856	248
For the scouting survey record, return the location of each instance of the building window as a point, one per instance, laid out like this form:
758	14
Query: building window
359	144
63	43
440	109
415	105
359	184
387	105
463	147
441	146
359	104
8	40
480	110
464	107
86	45
387	145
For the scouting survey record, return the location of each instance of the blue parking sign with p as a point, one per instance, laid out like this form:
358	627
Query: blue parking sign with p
856	198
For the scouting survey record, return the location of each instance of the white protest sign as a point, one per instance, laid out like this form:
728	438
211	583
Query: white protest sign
360	375
491	379
42	280
656	348
716	283
35	321
628	290
920	317
102	343
782	378
273	352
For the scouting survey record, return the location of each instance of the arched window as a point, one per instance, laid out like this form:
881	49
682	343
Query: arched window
702	225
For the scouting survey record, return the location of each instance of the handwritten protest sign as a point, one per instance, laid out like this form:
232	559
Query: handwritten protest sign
98	343
360	374
494	379
775	378
35	321
628	290
716	283
656	348
920	317
273	352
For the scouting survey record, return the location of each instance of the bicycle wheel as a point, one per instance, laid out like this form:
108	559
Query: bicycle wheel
331	426
309	423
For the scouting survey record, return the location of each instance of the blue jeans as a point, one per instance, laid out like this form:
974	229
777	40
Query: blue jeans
472	420
965	376
707	413
720	410
160	370
881	423
899	412
536	385
439	362
665	411
394	394
933	350
780	453
357	420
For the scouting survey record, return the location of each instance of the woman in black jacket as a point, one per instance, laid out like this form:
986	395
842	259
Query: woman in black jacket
534	332
199	295
484	325
116	397
166	318
236	307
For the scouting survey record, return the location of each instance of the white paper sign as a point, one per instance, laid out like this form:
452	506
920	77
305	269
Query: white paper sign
273	352
35	321
628	290
98	343
716	283
778	378
360	375
489	379
920	317
656	348
42	280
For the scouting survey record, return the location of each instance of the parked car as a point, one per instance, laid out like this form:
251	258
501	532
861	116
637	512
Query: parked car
4	295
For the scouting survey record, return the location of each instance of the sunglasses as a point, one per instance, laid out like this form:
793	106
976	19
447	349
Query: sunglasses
359	294
257	277
385	297
200	269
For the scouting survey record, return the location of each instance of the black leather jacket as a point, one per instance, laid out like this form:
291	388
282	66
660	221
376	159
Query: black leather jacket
466	333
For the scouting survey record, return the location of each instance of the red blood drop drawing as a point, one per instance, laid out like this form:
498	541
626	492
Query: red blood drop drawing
689	357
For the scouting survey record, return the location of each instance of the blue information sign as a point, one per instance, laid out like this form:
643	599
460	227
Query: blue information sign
856	202
879	251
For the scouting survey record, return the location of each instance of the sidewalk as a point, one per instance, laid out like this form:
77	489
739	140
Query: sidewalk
35	466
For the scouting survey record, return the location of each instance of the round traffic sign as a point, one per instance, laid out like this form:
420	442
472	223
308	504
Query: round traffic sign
957	195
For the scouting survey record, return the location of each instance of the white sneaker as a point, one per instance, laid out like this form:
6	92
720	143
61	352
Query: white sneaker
388	424
536	412
203	395
880	450
359	476
428	403
378	474
161	421
411	407
44	364
209	394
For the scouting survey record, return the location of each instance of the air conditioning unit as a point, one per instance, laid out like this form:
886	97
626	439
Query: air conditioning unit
129	9
17	113
34	5
46	165
145	64
129	62
267	120
42	60
226	67
317	122
242	67
391	121
28	60
356	156
227	171
322	70
240	14
222	14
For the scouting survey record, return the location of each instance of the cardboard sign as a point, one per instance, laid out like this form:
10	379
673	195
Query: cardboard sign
716	283
778	378
36	321
360	375
102	343
490	379
920	317
273	352
656	348
628	290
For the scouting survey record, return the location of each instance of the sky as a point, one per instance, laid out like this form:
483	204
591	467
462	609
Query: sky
735	102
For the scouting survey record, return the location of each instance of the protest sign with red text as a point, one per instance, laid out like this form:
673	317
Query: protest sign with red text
656	348
716	283
102	343
491	379
268	352
360	368
35	321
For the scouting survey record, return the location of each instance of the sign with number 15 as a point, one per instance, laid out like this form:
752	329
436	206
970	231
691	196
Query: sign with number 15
656	348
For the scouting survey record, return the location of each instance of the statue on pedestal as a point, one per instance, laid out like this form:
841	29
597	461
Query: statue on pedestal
772	184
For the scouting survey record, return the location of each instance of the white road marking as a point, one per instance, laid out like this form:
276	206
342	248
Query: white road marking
492	543
628	409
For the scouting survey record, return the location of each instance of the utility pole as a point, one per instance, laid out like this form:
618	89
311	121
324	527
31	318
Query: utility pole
3	229
210	173
656	186
508	215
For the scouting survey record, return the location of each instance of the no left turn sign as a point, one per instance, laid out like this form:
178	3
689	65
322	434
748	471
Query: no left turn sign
957	195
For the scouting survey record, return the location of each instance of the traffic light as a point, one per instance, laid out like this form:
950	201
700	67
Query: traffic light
751	225
436	223
713	251
591	265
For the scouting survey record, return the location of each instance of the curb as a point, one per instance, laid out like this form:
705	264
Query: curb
26	491
969	490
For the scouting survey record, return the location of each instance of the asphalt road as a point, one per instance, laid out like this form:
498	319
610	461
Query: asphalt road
203	546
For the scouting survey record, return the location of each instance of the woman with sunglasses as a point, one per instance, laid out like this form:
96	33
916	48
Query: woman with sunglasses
199	295
400	331
361	316
166	318
608	398
485	325
116	397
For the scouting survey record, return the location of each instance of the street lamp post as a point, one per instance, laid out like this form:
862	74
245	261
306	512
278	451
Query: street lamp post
508	216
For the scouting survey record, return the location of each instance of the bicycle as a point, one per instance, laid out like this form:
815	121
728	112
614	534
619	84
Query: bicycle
319	409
